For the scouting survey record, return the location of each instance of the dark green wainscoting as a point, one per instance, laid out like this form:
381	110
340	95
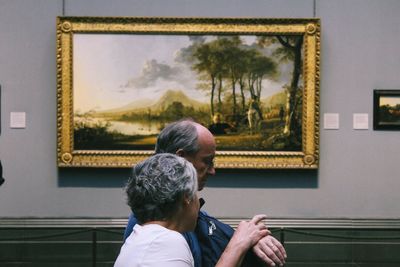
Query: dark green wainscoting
96	242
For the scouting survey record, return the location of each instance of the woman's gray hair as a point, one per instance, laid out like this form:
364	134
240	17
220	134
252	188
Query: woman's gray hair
158	185
178	135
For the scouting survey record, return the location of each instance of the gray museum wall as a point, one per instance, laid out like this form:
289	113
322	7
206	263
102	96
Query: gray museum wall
359	170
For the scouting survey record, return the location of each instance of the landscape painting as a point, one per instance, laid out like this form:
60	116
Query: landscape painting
249	89
245	89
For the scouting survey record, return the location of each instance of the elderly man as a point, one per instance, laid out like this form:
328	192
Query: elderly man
196	144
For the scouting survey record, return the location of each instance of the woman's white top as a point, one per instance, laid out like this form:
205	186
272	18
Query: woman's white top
152	245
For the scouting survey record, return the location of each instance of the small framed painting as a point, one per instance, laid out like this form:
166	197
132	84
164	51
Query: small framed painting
386	109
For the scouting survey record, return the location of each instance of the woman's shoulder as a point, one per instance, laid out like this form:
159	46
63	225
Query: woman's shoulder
161	233
154	245
168	246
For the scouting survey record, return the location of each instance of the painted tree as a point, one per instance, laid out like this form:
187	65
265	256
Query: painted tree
233	67
259	67
289	51
226	61
205	63
208	59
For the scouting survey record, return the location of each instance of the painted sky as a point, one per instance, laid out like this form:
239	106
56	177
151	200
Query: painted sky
113	70
391	101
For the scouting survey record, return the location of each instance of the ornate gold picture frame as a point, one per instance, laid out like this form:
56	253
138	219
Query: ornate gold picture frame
253	82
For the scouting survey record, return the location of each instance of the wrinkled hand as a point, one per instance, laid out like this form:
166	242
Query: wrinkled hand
271	251
248	233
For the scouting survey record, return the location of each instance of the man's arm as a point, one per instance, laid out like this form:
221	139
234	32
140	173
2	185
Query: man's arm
214	238
246	235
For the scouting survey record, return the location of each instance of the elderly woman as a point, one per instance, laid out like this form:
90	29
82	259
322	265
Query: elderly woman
162	193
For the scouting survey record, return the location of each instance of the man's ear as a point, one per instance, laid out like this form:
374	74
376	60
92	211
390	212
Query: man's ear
180	152
186	200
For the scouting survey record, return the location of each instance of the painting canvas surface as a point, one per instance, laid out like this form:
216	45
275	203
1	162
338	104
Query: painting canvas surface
389	110
246	89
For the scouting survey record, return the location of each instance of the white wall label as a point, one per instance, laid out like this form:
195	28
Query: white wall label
331	121
360	121
17	120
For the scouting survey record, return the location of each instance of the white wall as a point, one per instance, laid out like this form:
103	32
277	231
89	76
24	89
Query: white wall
359	169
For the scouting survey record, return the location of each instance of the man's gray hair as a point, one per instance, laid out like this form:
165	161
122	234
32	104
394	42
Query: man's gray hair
178	135
158	185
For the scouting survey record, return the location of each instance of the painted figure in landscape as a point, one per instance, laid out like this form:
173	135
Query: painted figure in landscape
247	90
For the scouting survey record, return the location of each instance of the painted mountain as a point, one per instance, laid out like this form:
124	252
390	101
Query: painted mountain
172	96
143	105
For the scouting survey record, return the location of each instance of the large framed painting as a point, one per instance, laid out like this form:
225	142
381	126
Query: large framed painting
386	109
253	82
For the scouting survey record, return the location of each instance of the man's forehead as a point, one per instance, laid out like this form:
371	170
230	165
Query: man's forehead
206	142
207	145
